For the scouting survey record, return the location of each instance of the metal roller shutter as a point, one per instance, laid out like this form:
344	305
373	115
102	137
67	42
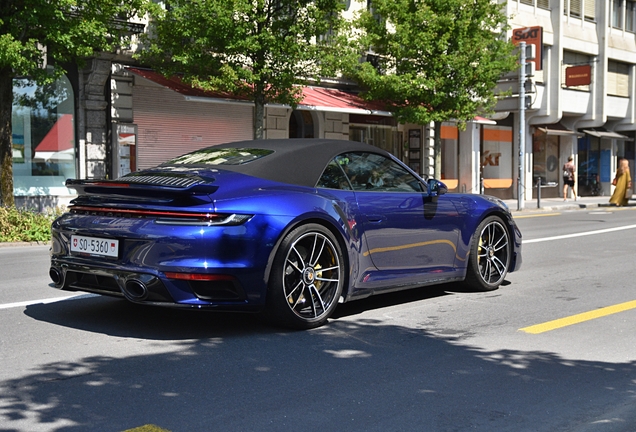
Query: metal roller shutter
169	126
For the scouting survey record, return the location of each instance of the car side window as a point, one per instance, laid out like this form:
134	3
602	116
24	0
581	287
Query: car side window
374	172
333	177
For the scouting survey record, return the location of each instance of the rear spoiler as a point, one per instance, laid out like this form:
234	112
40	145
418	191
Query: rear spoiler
145	188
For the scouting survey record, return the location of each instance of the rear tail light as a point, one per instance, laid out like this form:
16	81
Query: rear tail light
198	276
164	217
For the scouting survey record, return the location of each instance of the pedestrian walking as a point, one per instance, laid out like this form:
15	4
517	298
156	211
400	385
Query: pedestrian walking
623	184
568	178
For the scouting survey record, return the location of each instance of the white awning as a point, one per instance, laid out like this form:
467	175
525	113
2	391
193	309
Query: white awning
558	129
607	134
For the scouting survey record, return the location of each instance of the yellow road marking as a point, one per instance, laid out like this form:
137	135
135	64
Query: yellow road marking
579	318
147	428
535	215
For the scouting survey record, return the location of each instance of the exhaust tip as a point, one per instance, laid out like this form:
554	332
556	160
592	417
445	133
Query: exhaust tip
135	289
56	276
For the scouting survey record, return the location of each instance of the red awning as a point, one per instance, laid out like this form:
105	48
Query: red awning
326	99
314	98
483	120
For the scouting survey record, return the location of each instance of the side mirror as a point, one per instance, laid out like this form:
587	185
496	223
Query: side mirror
436	188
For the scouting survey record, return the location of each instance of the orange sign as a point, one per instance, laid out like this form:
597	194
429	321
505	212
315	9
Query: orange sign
578	75
531	36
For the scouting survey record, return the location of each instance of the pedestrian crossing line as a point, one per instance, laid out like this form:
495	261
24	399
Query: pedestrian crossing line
579	318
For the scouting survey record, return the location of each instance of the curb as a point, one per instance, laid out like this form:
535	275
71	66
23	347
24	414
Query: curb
23	244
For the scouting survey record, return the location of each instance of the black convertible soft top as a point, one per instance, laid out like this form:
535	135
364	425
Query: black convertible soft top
295	161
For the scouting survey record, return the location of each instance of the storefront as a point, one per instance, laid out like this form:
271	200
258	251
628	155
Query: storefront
377	130
551	147
497	161
44	151
450	156
598	153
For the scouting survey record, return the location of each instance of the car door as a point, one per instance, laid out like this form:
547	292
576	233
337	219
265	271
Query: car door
404	228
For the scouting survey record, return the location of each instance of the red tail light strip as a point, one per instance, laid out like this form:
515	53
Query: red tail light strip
198	277
142	213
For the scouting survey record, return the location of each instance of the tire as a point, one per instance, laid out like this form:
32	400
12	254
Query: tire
306	279
490	254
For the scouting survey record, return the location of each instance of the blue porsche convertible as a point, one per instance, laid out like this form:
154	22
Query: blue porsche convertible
287	228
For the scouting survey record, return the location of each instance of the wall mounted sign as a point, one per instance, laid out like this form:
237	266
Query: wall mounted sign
531	36
578	75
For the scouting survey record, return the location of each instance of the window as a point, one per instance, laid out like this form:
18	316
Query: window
575	8
373	172
630	18
617	14
43	129
617	79
214	156
571	58
543	4
378	131
580	9
333	177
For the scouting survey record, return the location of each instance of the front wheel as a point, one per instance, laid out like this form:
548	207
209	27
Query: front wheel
307	278
490	253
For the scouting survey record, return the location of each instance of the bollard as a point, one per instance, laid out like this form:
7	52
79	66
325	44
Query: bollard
539	193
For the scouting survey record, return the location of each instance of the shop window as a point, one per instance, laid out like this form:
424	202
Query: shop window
496	160
589	164
43	137
545	154
378	131
450	155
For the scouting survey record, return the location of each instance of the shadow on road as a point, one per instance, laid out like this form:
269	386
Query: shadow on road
228	372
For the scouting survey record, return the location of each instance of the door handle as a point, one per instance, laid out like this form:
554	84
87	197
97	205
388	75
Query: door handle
375	218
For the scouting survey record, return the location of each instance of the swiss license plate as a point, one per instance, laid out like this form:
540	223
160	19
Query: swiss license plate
95	246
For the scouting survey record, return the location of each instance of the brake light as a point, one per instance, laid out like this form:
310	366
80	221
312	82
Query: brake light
198	277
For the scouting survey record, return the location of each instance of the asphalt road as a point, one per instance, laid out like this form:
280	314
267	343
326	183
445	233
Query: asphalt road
553	350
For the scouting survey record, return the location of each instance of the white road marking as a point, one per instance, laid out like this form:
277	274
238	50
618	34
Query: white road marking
40	301
581	234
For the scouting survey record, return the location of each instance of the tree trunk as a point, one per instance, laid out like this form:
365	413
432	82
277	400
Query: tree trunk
6	143
259	116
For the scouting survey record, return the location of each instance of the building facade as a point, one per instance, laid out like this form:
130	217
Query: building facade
583	99
111	117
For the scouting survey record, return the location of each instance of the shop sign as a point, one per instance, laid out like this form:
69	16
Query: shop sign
578	75
531	36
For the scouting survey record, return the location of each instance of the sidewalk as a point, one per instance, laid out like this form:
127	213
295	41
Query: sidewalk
557	204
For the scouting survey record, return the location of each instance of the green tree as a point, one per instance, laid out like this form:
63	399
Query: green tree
261	50
39	37
433	60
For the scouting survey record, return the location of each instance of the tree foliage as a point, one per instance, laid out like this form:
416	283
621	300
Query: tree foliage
37	37
259	49
433	60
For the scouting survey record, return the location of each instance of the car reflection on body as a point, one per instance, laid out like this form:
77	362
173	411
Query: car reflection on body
286	228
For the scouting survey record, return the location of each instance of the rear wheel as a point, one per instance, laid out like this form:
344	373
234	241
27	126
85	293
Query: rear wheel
307	278
490	253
